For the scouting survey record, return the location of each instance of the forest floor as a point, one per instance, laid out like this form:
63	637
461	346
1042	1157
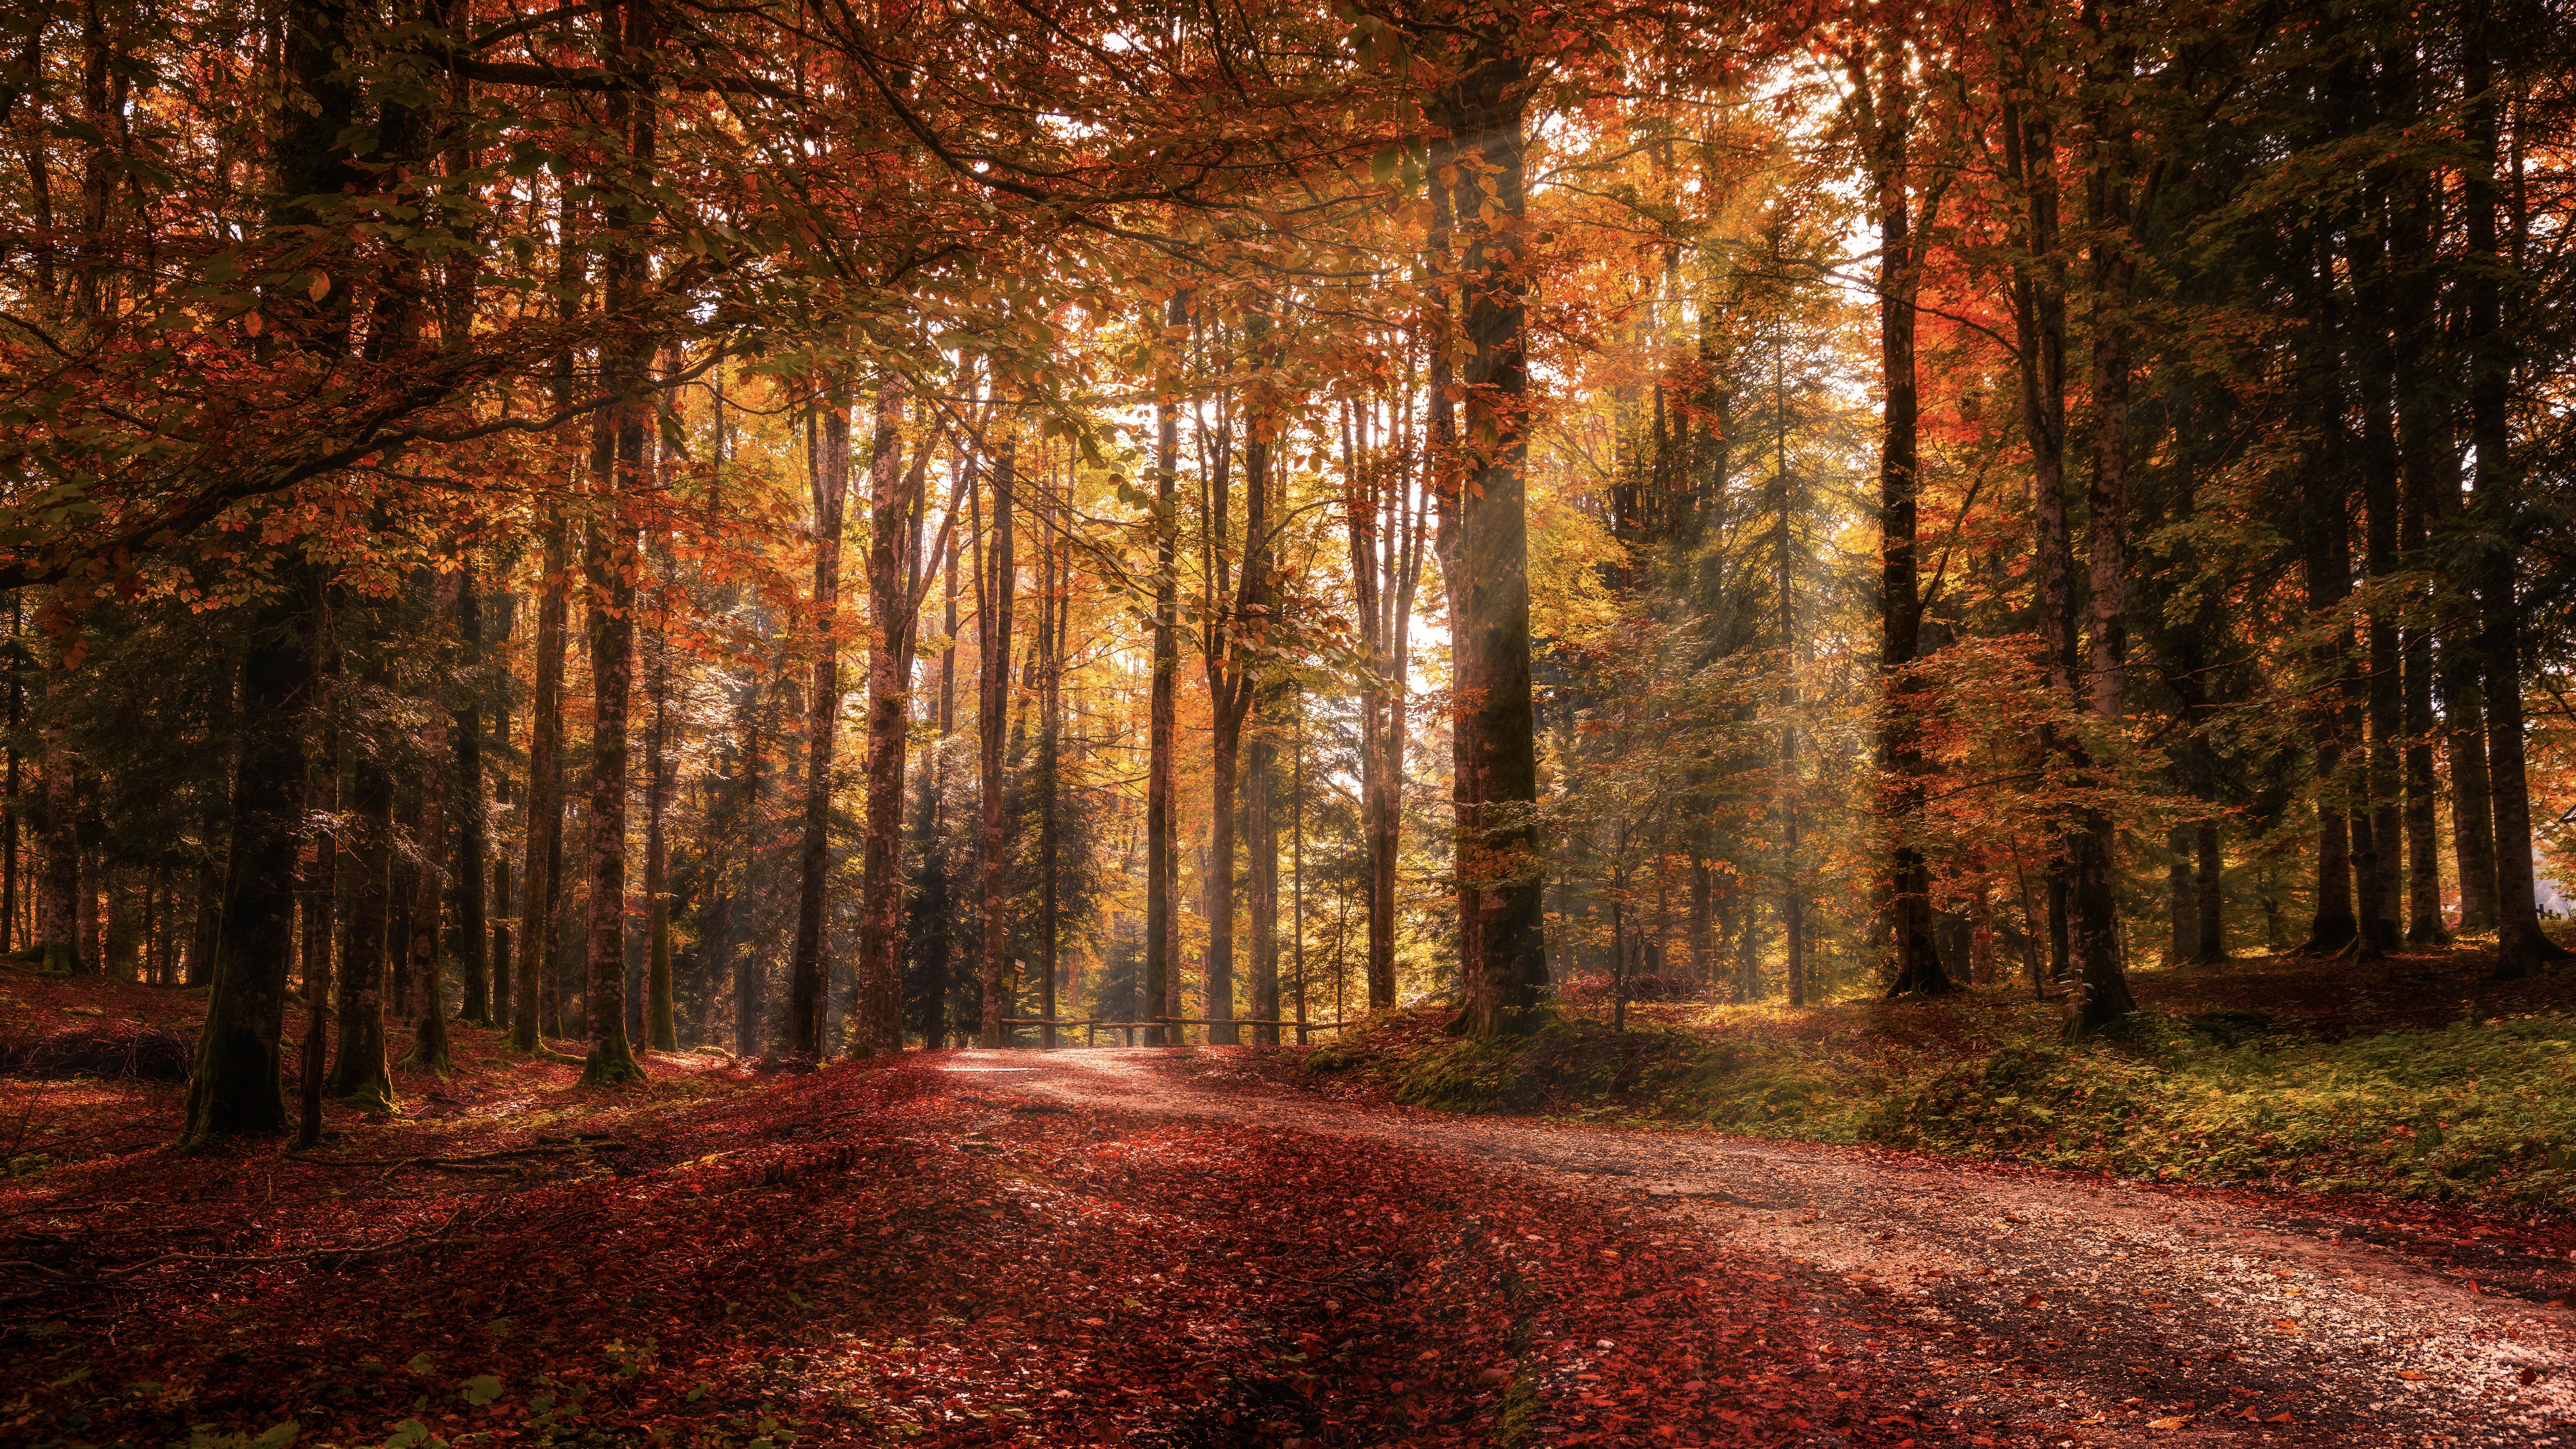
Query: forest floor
1191	1247
1993	1304
2420	1078
916	1252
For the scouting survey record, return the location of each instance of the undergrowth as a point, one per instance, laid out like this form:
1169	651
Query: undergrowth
2478	1112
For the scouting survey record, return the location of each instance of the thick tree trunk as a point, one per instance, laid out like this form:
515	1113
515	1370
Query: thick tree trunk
2100	988
612	558
611	547
1914	957
808	988
996	581
237	1084
2521	946
1503	955
896	581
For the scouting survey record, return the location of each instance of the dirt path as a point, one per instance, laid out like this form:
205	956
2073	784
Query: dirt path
2010	1306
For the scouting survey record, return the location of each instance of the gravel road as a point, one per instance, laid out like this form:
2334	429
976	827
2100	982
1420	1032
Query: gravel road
2005	1306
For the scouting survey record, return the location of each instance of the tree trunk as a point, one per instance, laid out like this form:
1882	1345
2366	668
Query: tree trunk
236	1086
1915	959
807	984
1050	645
2326	556
58	888
2521	946
661	1017
612	548
2422	437
14	805
897	579
539	889
321	879
358	1073
428	986
2101	996
996	580
750	1004
1503	949
1161	870
937	931
2208	891
2039	329
467	726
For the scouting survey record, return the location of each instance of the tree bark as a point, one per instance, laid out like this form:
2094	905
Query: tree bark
539	889
807	984
2039	288
2380	906
321	879
661	1016
2422	435
429	827
237	1084
467	729
1050	643
2326	556
2521	946
1886	110
1503	955
2100	996
358	1073
996	580
898	578
1160	857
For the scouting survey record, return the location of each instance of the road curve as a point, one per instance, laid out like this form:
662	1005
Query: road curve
2004	1306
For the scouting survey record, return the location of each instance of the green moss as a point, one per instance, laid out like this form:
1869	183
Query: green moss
1518	1421
2483	1113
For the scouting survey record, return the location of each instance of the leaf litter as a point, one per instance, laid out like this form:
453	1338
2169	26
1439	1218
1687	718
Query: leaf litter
873	1254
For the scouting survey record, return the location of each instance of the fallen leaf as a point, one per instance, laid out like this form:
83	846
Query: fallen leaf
2167	1423
2413	1374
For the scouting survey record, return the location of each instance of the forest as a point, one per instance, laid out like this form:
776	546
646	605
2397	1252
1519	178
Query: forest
710	708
